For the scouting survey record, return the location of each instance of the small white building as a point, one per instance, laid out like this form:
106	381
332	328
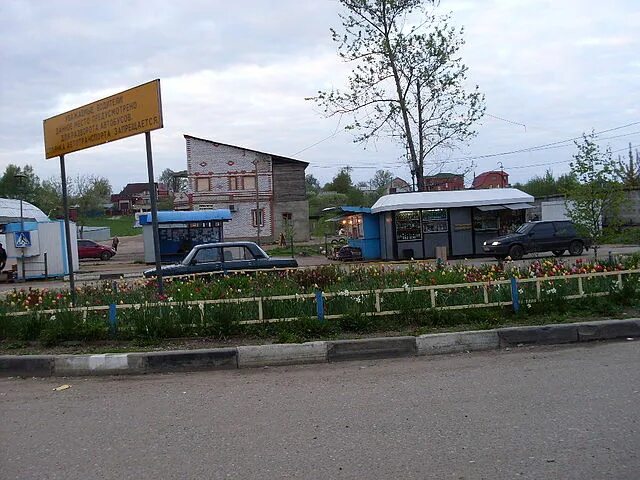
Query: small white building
42	246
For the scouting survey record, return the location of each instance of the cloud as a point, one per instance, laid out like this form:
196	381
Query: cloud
238	72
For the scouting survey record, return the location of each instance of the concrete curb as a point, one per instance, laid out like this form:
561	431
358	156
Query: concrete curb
282	354
312	352
341	350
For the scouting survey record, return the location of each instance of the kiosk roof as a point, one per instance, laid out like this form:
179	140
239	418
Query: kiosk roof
451	199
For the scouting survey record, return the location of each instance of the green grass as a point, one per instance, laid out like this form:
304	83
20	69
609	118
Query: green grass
120	226
297	249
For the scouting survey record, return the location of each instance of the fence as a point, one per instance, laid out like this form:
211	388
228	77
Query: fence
388	301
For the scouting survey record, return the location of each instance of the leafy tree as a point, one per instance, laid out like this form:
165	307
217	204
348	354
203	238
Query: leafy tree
629	173
408	82
174	182
596	193
546	185
312	184
49	198
380	180
89	193
341	183
25	188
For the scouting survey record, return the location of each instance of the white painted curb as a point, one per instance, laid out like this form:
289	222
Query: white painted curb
282	354
438	343
109	363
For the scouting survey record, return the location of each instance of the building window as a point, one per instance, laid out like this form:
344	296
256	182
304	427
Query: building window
247	182
257	217
287	217
202	185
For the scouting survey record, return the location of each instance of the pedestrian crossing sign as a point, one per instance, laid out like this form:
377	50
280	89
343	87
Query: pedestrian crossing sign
23	239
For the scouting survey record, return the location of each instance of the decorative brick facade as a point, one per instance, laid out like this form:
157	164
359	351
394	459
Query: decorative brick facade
224	176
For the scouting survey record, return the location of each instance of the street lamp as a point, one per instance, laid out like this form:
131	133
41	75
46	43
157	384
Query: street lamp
20	178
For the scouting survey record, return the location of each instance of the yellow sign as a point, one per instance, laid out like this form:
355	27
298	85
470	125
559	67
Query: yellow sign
122	115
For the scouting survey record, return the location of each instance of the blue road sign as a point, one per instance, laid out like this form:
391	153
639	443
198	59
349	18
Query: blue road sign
22	239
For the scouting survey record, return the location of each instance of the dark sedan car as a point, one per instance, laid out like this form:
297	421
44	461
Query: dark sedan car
224	256
545	236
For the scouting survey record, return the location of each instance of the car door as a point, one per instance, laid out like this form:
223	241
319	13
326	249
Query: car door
85	249
543	237
206	259
238	257
565	234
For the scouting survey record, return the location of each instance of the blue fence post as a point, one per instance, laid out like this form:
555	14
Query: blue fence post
320	305
515	296
113	320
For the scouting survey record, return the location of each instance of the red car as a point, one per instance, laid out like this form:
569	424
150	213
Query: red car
91	249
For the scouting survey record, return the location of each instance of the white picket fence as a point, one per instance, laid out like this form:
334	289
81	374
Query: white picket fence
378	293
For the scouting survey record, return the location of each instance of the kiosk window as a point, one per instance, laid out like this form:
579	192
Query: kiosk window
434	221
408	225
485	221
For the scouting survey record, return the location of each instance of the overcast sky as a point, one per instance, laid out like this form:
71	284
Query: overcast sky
238	73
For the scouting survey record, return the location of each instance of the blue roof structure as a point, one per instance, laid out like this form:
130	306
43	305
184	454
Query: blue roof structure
170	216
350	209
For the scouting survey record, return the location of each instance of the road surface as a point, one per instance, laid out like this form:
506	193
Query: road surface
543	413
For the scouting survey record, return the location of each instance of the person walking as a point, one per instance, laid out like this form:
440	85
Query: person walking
115	242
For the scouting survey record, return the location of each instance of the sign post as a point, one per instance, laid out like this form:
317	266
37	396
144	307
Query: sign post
131	112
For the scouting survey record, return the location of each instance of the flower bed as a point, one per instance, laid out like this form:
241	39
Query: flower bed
221	306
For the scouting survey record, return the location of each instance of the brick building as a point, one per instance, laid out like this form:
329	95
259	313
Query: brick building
442	182
225	176
135	197
491	179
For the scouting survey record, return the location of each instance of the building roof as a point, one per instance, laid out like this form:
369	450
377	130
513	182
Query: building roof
444	175
482	177
450	199
183	216
272	155
10	211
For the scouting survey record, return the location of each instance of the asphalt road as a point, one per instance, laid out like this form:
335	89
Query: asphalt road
545	413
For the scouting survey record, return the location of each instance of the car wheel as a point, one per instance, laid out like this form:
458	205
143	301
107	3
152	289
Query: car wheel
105	256
576	247
516	252
558	253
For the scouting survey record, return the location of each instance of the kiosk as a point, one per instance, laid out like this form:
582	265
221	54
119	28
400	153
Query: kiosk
180	231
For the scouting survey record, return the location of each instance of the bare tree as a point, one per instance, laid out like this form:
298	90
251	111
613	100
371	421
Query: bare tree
408	82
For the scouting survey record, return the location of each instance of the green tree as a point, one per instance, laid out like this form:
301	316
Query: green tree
25	188
49	198
596	195
341	183
381	180
629	172
89	194
547	184
312	184
173	180
408	82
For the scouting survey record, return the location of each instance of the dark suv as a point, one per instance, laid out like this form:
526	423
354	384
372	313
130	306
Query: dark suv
556	237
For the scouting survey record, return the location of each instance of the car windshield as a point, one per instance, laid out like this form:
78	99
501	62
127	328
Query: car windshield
524	228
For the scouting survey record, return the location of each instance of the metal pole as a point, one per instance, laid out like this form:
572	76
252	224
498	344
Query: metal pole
258	213
24	277
67	231
154	213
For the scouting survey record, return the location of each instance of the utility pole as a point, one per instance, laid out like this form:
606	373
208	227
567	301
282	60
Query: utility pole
258	213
